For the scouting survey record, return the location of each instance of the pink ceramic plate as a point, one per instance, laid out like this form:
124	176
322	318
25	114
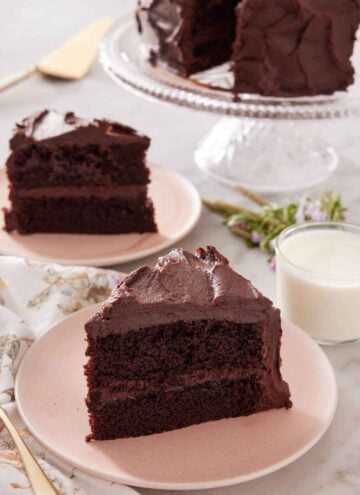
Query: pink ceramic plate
50	390
177	209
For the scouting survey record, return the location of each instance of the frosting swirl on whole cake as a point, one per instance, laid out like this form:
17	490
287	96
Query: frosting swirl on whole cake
295	47
276	48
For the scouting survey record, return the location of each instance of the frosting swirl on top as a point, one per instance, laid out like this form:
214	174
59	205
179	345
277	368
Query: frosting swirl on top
182	277
181	286
52	126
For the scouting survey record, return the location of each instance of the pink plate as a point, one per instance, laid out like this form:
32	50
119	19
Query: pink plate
50	390
177	209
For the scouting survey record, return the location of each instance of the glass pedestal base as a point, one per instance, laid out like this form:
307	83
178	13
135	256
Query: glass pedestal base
266	156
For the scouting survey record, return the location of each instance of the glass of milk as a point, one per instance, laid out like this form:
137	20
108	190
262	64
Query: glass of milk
318	279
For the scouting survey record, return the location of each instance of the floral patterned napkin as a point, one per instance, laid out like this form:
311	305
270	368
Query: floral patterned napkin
33	296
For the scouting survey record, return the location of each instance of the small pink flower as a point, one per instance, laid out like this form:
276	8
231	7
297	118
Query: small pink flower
273	264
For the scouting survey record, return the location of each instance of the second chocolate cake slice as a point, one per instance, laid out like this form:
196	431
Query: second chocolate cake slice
181	343
71	175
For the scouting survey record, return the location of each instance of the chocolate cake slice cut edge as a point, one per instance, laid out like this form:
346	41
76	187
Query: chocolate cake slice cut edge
182	343
187	37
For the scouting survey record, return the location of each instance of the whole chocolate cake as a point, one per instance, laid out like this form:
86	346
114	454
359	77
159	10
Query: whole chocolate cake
181	343
277	47
294	47
73	175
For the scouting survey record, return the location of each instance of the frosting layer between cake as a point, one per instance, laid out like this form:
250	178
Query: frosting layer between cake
83	192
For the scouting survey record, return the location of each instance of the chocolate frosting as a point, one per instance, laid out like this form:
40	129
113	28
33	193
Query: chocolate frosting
182	286
51	126
281	48
132	388
104	192
295	47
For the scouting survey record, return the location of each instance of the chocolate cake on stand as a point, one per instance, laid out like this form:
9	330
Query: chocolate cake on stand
301	75
282	48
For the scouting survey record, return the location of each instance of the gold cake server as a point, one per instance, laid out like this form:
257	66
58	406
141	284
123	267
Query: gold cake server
70	61
39	482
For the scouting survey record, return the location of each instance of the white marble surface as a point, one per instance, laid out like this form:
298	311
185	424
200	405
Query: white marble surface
29	28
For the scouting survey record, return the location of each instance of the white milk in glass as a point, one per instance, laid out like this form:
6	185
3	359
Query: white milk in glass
318	280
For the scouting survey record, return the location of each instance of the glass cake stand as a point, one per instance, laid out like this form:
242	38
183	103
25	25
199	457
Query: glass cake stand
262	143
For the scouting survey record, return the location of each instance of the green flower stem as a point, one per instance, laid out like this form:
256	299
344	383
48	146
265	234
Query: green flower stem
270	221
255	198
228	209
241	232
259	228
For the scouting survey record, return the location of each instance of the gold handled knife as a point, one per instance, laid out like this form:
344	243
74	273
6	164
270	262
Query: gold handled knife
70	61
38	480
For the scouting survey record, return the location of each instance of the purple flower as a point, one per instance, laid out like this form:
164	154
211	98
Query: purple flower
256	238
310	210
319	216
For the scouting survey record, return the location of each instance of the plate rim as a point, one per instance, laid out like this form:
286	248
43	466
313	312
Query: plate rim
120	259
199	485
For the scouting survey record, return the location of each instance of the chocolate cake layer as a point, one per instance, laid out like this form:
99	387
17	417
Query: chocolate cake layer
39	166
184	347
215	337
94	153
294	48
164	411
80	215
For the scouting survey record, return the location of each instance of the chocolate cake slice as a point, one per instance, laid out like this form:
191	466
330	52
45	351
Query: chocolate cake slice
276	47
189	36
181	343
71	175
